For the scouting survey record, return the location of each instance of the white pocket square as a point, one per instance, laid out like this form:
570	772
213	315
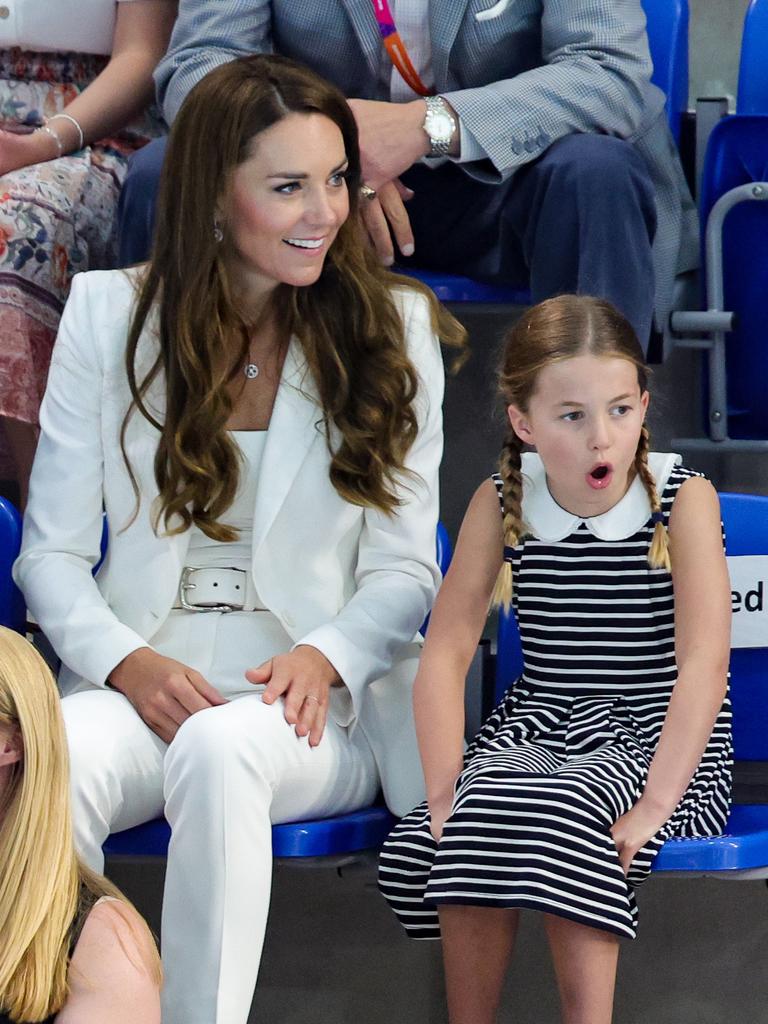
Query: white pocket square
492	12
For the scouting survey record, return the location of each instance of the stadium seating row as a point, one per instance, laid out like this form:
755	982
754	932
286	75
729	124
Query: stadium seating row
741	852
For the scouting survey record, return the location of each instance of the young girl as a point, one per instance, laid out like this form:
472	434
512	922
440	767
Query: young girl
73	950
617	734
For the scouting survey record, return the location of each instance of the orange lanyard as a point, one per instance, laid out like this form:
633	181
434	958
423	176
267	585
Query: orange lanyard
395	47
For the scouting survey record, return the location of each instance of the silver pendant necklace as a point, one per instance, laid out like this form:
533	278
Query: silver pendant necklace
251	371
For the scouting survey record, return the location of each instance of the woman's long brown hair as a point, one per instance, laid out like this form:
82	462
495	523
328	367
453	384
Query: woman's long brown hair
347	323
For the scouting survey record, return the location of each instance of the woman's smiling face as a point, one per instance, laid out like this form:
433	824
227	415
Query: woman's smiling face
286	205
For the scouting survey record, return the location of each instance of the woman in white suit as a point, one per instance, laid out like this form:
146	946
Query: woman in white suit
258	411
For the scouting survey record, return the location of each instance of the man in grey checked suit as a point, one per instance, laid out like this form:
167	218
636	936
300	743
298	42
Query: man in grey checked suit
555	162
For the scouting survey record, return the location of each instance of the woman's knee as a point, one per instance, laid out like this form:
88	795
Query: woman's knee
213	741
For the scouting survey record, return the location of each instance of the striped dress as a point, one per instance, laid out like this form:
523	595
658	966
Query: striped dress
568	748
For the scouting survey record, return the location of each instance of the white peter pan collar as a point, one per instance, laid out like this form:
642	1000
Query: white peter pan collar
548	521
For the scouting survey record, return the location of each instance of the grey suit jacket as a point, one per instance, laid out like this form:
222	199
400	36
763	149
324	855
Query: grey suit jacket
526	74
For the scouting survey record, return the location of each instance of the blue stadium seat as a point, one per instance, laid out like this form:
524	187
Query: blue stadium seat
743	848
668	42
365	829
737	157
730	327
744	845
11	601
753	68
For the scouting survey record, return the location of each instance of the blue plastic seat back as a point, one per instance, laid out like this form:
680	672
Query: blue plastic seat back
668	41
12	612
753	65
745	517
444	550
737	154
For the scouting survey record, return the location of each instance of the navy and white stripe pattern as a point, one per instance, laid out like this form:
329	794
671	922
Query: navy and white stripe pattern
567	750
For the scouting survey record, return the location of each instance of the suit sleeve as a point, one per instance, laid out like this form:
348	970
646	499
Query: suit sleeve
594	77
63	521
205	35
397	574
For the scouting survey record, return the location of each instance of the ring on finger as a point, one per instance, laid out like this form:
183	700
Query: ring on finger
310	696
367	192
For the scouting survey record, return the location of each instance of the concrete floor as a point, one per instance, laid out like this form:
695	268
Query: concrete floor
335	955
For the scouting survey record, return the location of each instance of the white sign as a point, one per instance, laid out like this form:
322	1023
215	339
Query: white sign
749	600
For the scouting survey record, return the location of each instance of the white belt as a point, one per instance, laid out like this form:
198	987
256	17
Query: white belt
211	589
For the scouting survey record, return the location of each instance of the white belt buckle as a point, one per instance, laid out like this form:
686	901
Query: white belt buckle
185	585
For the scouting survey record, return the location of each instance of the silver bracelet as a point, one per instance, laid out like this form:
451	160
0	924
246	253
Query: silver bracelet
53	135
75	122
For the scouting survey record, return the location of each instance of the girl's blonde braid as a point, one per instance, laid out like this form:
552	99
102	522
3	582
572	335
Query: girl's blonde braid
658	553
510	464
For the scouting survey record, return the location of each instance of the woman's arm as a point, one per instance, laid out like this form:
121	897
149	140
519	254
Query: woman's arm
63	521
113	977
702	644
455	627
114	98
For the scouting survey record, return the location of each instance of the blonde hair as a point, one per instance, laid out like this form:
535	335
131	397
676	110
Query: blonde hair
40	874
554	330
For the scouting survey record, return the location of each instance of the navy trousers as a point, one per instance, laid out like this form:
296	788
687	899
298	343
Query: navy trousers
580	219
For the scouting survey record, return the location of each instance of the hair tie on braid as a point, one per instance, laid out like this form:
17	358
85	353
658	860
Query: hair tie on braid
509	553
657	517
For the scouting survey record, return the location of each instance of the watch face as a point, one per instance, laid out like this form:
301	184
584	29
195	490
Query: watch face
440	126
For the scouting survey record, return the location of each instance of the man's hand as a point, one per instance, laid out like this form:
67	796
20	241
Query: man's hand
385	217
391	138
165	692
303	678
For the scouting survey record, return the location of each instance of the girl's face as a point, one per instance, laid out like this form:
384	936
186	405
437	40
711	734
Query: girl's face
287	203
585	418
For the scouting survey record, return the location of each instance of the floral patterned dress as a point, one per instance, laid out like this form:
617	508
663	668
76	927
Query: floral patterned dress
56	219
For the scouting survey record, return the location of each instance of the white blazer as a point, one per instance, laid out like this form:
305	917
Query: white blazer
352	582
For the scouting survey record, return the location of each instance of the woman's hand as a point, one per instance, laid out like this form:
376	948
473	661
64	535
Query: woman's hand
165	692
633	830
304	678
22	149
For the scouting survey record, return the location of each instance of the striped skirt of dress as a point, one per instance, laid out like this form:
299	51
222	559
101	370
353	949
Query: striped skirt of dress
530	824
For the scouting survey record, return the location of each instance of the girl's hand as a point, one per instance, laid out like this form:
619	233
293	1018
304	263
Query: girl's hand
164	691
304	678
633	830
439	810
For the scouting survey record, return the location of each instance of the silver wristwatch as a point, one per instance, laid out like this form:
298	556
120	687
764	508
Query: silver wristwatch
440	125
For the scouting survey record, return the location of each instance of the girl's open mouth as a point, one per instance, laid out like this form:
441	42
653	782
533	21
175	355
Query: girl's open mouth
600	476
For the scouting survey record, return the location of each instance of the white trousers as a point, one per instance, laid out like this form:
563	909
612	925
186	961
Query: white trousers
230	772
